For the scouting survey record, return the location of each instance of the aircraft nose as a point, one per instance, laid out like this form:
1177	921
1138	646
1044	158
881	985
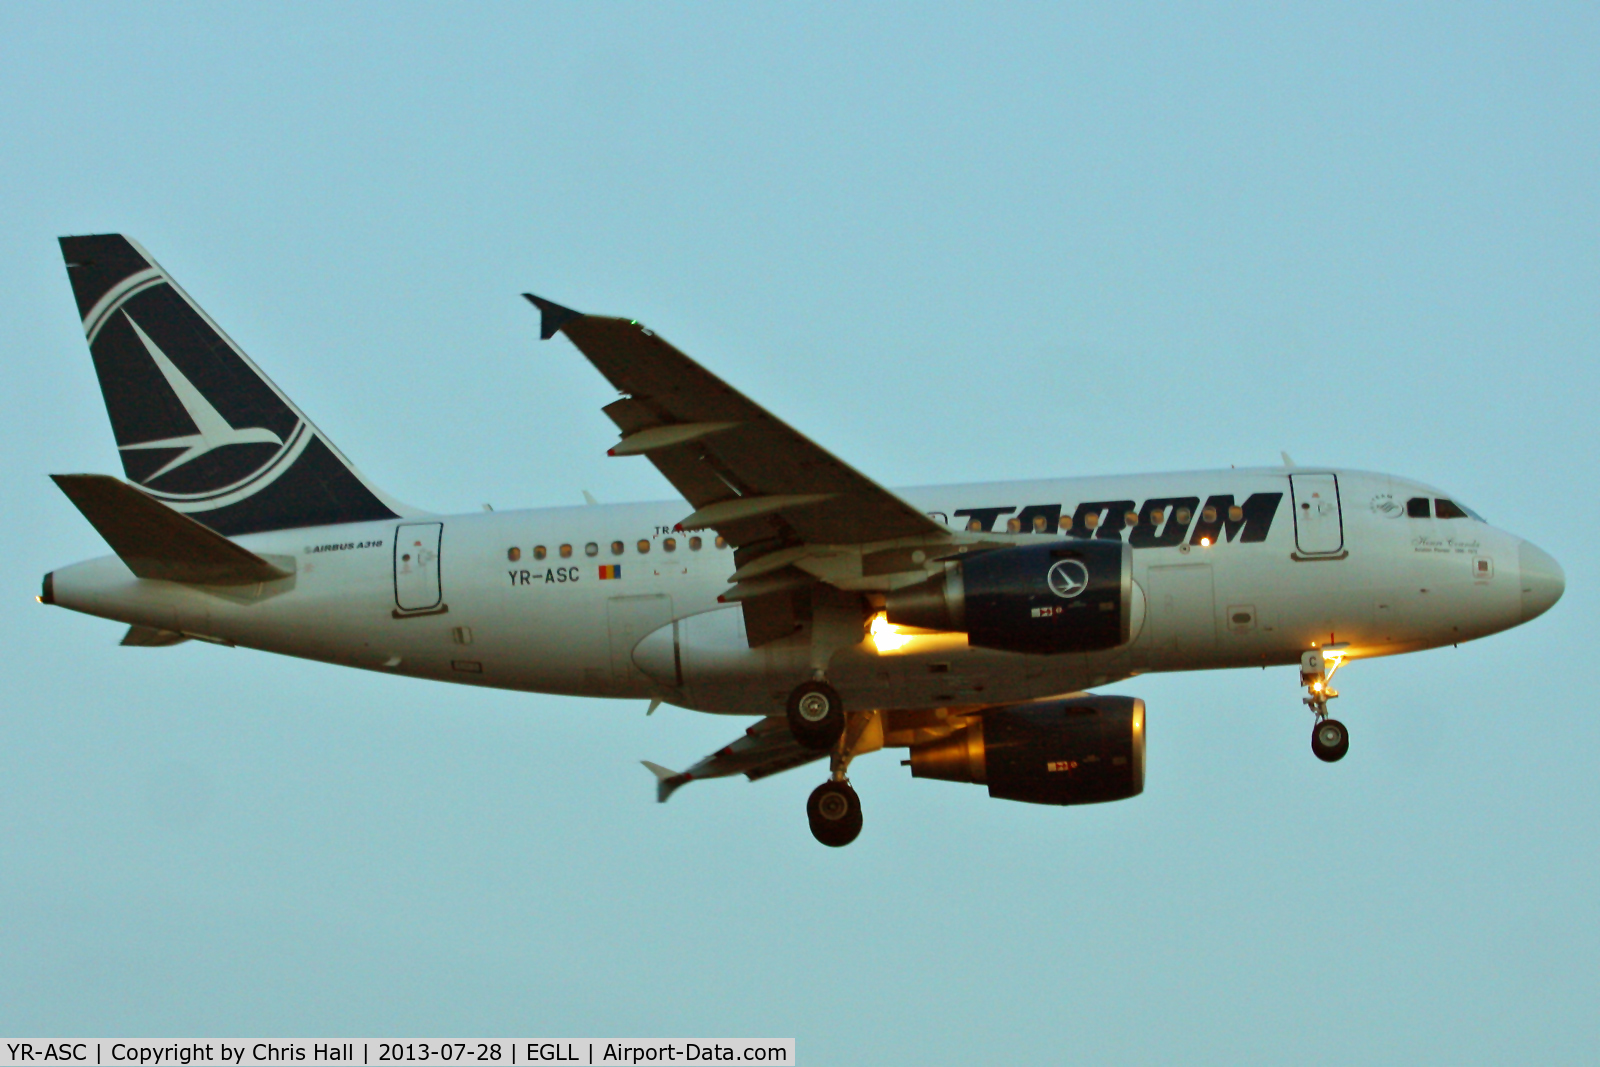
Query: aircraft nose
1543	581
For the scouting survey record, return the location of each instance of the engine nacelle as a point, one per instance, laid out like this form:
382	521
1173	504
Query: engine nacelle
1064	596
1081	750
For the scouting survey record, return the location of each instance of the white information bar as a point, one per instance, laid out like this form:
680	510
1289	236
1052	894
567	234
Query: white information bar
373	1052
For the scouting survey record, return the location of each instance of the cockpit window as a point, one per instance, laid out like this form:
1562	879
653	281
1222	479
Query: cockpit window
1447	509
1417	507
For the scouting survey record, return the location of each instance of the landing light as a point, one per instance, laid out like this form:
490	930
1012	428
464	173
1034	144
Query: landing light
1205	542
885	635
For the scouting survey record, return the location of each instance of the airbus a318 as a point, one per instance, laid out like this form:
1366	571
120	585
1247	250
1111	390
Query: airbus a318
968	624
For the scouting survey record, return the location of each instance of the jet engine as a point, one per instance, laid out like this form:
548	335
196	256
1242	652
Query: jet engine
1073	596
1078	750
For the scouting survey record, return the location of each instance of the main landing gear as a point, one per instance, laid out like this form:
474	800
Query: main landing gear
835	813
1329	738
816	715
818	721
833	808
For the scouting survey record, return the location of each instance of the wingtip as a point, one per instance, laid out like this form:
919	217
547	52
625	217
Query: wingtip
552	316
668	781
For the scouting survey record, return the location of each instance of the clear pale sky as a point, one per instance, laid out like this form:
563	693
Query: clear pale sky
951	243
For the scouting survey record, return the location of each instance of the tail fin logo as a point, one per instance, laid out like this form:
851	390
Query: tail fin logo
214	431
197	424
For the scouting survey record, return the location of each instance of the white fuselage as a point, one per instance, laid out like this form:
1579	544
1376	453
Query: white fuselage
494	602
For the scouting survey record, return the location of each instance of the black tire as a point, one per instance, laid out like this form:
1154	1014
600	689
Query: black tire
816	715
1330	740
835	813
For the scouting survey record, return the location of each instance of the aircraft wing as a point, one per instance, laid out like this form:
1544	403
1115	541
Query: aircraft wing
754	479
766	748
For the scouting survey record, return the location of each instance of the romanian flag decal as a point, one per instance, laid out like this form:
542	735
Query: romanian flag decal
610	570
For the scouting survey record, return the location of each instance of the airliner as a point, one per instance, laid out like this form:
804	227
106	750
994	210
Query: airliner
967	624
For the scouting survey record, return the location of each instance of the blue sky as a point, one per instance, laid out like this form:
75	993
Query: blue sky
951	243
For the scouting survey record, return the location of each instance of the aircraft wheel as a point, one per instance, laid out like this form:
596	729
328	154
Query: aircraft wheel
1330	740
835	813
816	715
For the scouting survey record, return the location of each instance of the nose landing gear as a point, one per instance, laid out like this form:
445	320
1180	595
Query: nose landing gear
1329	738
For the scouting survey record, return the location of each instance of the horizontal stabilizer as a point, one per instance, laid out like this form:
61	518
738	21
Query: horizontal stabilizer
157	542
667	781
150	637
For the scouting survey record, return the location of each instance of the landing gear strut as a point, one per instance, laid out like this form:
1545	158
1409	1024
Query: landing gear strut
1329	738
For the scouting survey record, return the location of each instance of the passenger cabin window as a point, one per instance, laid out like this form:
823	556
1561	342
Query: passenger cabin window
1183	516
566	551
1091	520
1417	507
538	552
1235	514
591	549
1041	524
722	542
513	554
616	548
644	546
1209	514
1131	518
669	544
694	544
974	526
1157	516
1447	509
1013	526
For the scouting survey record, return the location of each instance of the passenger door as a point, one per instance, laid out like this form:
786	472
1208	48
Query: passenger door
416	568
1318	524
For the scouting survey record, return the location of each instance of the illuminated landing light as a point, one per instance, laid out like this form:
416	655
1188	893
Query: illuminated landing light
885	635
1205	542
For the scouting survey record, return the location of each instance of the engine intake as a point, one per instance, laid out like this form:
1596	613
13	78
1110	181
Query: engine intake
1080	750
1074	596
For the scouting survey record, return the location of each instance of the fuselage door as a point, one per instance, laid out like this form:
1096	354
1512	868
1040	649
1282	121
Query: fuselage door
1318	525
416	567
